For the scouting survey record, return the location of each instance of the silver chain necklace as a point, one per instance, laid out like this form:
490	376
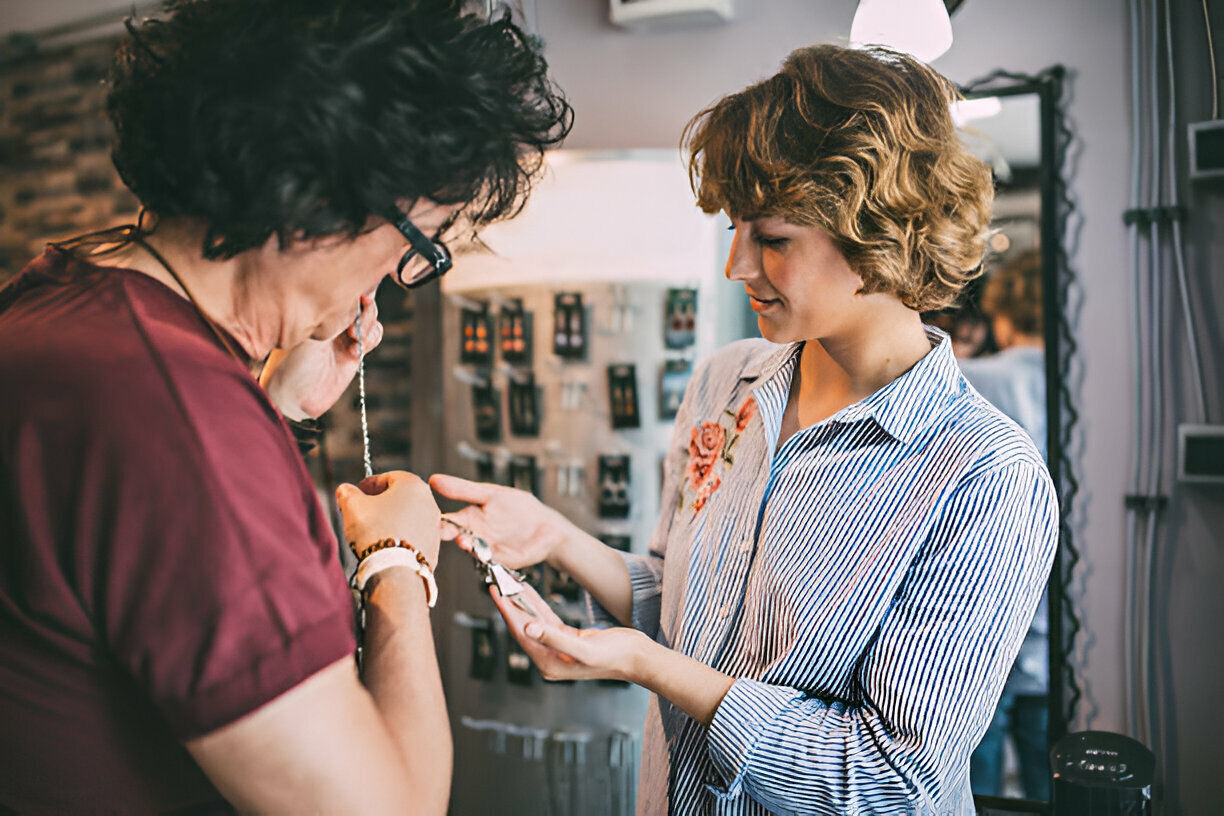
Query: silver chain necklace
365	423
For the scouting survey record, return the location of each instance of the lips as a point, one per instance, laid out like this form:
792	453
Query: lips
760	304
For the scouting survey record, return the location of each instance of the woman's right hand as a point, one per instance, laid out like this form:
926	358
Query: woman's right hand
519	529
391	505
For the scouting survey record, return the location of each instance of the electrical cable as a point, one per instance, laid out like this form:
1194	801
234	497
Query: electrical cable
1196	363
1128	639
1215	93
1155	350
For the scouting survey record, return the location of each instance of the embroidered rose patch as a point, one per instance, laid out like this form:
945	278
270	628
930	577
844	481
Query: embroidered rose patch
711	443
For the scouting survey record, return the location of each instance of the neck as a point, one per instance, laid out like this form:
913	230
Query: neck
839	370
864	360
224	291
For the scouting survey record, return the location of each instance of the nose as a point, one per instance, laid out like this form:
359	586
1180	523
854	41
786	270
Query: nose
743	260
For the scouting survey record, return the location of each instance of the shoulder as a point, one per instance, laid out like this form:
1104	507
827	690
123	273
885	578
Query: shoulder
716	378
741	359
110	361
987	438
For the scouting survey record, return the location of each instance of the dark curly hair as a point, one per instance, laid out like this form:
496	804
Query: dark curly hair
310	117
860	143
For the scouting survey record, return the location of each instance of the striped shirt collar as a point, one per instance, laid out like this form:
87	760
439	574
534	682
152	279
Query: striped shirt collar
903	408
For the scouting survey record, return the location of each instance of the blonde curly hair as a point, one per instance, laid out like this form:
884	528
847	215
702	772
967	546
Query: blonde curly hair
860	143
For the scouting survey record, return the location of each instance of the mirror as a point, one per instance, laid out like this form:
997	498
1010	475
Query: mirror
1011	335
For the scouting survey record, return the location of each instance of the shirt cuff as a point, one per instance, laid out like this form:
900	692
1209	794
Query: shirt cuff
739	723
646	586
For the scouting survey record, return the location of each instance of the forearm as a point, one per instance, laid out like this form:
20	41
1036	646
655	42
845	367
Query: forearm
401	672
598	568
690	685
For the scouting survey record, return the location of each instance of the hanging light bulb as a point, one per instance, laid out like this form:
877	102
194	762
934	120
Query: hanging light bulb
918	27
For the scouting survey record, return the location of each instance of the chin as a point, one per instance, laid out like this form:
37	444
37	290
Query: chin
774	333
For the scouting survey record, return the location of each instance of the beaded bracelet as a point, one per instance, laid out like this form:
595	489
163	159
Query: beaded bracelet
394	553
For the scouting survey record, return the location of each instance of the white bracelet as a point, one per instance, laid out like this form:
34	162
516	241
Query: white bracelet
376	562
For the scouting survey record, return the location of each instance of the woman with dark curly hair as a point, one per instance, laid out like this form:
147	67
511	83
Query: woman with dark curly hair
176	633
852	540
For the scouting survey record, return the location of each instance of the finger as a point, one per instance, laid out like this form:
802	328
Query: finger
516	621
348	499
367	316
463	490
404	486
376	484
515	618
470	518
447	531
552	641
541	607
559	638
462	543
373	336
346	492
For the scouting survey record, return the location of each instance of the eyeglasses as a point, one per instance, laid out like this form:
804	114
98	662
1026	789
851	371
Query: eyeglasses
424	260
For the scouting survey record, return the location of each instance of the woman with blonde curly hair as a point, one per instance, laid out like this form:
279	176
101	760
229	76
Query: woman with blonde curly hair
852	540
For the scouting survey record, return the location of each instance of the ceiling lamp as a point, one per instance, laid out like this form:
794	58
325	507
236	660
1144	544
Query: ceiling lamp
965	111
918	27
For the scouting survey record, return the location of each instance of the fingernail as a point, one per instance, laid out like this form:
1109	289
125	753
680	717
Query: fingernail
534	630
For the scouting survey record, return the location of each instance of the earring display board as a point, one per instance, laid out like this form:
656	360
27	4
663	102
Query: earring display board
578	438
595	339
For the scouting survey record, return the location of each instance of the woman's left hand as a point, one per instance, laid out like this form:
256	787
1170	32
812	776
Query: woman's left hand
306	380
562	652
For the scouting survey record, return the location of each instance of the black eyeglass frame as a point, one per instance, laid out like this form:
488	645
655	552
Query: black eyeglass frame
431	249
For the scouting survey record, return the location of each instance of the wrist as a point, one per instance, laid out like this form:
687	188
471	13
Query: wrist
388	554
368	548
289	407
564	542
639	669
292	411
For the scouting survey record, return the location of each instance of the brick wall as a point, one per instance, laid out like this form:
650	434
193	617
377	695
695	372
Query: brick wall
56	177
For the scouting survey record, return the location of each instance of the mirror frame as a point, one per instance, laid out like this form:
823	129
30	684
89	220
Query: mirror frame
1059	222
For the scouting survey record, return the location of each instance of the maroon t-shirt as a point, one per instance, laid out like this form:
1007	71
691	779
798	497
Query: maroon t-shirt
165	566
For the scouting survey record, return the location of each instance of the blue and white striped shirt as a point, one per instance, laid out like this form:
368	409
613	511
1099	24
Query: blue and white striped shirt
867	583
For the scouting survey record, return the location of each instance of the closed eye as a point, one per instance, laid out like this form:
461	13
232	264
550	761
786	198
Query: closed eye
770	242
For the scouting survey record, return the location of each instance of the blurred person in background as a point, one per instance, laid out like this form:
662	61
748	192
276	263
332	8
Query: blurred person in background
1014	381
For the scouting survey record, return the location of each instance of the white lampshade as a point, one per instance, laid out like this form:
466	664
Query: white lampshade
918	27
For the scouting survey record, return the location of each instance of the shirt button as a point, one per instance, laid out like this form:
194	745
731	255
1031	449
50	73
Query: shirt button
722	612
746	546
